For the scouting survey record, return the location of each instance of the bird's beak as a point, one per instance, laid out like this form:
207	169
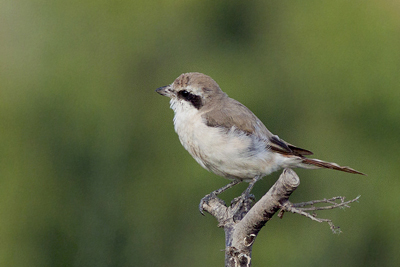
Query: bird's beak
164	90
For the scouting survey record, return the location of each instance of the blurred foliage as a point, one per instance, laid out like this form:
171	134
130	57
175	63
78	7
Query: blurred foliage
92	173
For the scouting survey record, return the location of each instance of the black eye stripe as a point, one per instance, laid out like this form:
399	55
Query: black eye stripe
194	99
185	95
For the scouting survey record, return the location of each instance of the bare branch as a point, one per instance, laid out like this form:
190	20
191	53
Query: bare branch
330	201
299	209
242	220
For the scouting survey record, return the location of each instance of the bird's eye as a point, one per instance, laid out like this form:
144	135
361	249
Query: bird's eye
184	93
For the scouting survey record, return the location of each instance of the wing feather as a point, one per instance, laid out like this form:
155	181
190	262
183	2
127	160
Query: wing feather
231	113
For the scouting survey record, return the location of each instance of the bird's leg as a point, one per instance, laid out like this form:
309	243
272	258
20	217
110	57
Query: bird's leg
215	193
242	204
246	193
250	187
226	187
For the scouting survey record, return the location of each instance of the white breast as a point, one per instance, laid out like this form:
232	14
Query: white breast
229	153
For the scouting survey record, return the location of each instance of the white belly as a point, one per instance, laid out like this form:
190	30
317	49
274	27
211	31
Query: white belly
228	153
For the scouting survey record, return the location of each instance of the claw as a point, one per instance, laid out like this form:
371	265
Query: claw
201	207
252	197
242	203
236	200
214	194
205	200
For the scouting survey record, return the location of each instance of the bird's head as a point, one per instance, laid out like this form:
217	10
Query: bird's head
192	90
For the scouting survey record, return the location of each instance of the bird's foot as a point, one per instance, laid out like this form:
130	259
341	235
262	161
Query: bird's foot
205	201
242	203
242	198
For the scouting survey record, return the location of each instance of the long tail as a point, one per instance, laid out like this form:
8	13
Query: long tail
329	165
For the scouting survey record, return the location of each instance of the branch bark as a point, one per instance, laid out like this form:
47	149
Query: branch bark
242	222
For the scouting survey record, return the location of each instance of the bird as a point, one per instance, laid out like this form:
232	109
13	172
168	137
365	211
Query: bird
226	138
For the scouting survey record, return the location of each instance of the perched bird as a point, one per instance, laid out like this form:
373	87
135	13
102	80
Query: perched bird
226	138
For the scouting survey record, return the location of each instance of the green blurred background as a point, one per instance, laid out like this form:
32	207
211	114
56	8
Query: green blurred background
93	174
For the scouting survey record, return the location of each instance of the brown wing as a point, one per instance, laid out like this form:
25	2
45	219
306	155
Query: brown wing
280	146
231	113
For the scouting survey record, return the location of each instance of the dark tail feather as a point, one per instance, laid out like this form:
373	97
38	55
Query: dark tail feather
329	165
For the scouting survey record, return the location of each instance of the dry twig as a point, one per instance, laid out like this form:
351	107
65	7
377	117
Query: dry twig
300	208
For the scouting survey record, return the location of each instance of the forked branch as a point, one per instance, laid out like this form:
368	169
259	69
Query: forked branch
242	221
